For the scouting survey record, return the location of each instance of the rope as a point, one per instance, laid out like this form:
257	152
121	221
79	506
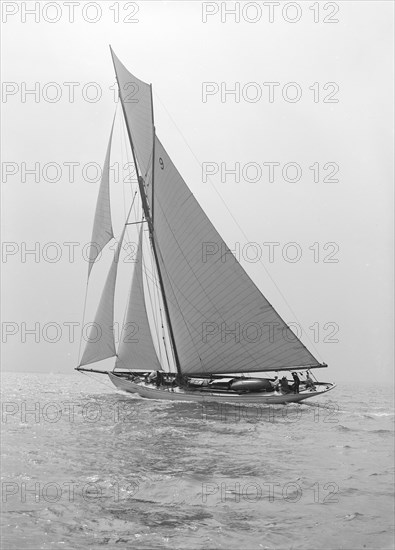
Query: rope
82	323
96	379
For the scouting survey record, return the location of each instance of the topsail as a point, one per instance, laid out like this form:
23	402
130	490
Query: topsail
136	100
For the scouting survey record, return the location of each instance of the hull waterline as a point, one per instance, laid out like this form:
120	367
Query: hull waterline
149	392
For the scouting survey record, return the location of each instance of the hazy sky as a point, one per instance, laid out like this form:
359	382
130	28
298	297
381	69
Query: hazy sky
344	73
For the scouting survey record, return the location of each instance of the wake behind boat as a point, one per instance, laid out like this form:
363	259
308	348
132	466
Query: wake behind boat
207	326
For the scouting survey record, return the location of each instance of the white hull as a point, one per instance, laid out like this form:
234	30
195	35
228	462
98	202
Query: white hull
150	392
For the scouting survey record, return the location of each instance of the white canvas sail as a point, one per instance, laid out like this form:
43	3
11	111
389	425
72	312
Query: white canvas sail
100	342
136	348
221	321
102	226
136	100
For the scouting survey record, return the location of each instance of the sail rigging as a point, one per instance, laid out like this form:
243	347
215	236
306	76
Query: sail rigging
218	320
136	349
102	232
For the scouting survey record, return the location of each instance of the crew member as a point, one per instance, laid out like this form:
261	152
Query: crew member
309	381
275	383
296	384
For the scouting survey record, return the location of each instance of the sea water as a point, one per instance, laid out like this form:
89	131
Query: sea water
85	466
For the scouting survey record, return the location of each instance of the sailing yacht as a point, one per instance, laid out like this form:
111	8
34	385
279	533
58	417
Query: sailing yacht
217	326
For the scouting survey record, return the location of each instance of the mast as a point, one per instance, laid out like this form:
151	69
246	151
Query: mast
148	216
152	237
153	155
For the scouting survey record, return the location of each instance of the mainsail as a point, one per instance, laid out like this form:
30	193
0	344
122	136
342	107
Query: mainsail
222	322
102	226
136	348
101	343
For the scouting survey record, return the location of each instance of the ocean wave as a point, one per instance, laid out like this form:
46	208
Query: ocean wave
355	515
342	428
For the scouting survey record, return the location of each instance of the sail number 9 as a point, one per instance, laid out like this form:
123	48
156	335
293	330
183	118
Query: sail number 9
161	163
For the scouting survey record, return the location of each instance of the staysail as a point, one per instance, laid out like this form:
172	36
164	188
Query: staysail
222	322
100	342
136	349
102	226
